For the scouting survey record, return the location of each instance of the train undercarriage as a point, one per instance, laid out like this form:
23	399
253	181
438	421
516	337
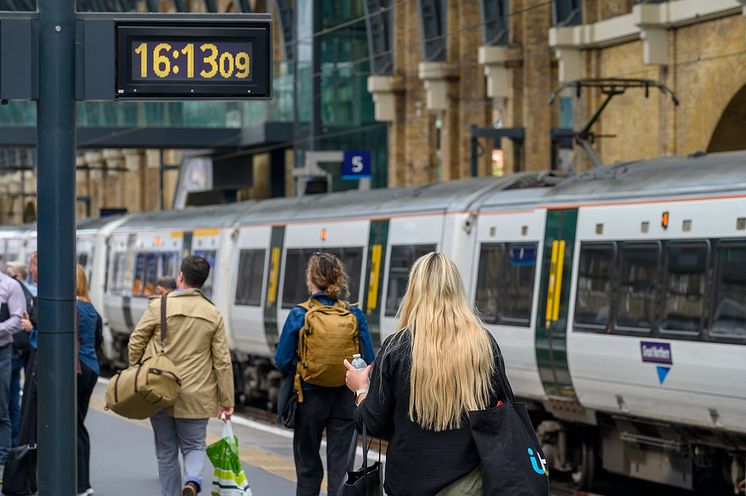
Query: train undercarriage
705	461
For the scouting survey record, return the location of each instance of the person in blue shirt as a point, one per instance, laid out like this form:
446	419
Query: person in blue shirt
329	408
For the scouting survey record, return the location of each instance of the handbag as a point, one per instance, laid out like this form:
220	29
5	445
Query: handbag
366	481
511	459
19	474
287	404
148	386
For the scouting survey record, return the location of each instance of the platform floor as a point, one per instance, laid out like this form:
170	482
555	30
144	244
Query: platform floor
123	459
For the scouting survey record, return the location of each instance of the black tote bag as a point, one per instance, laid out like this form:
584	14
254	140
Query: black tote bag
510	455
366	481
19	475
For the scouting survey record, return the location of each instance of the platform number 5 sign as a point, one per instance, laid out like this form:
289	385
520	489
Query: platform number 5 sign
356	164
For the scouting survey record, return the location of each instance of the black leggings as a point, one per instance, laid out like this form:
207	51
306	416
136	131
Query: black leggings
86	383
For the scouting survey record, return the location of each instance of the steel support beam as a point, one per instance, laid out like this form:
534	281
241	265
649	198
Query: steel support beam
57	423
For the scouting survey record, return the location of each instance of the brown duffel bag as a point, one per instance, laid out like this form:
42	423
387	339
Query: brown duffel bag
148	386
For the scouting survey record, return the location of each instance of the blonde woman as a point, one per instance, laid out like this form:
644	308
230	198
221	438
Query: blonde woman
438	366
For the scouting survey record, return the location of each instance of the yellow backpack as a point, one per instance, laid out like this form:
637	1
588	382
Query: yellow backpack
329	335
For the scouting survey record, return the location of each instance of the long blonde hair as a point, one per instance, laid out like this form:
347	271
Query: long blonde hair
452	358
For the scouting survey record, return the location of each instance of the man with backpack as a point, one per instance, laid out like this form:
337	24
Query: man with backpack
316	338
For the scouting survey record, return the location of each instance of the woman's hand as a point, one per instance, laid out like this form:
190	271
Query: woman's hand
26	323
357	379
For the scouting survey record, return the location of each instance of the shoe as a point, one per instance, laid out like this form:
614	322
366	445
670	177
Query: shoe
190	489
89	491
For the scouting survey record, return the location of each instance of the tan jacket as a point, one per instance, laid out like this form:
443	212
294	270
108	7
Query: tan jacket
197	344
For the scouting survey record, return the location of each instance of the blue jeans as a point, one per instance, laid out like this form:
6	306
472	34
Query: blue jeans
6	354
15	398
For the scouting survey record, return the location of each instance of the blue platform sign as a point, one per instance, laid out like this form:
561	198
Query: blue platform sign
356	164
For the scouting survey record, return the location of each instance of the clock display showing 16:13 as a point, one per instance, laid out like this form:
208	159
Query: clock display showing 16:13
189	60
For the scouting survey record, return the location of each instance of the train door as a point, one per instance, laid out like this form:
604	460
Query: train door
271	330
552	322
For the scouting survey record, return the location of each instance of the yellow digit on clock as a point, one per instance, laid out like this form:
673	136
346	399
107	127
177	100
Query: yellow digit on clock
212	59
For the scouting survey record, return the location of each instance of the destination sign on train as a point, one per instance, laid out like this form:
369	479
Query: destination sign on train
181	60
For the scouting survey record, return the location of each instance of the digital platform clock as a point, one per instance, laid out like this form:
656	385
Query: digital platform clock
204	61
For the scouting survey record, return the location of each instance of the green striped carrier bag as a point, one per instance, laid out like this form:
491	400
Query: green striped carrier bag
229	478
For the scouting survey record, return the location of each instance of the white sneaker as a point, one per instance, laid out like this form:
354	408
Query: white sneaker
89	491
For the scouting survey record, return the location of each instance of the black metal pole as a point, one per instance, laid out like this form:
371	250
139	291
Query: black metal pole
56	226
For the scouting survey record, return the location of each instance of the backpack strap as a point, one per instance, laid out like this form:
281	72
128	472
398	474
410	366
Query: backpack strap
164	299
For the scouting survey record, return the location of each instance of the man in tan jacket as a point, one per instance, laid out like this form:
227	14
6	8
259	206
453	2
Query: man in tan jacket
197	344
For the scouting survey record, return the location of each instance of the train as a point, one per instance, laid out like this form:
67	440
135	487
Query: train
617	295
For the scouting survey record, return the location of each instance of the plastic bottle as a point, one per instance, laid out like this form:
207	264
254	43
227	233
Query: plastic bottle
358	362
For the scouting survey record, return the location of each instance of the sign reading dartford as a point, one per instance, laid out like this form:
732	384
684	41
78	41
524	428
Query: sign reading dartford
182	60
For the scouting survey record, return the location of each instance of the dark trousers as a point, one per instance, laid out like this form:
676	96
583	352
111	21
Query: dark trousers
17	365
86	382
330	409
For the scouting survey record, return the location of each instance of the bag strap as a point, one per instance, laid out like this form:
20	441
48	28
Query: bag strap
164	324
353	447
351	453
504	378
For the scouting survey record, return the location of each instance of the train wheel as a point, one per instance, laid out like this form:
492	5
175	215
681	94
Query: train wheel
584	465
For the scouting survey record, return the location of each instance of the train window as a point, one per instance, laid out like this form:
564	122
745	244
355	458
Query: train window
119	266
137	285
402	258
593	297
210	256
505	283
729	314
637	286
684	287
83	259
488	296
151	273
250	277
294	288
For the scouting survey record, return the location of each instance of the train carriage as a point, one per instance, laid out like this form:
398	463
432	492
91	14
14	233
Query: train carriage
145	247
618	296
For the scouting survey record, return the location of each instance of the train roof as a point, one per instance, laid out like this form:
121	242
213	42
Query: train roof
189	218
666	177
96	224
448	196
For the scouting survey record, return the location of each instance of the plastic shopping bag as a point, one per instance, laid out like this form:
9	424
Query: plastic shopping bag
229	478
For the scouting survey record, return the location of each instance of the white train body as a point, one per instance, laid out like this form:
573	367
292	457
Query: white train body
617	296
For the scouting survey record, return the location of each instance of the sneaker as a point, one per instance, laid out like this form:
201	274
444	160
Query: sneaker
89	491
190	489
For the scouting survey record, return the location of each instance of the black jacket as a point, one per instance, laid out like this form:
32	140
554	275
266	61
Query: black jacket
418	462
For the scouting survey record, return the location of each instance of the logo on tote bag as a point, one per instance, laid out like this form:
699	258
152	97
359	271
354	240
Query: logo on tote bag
539	470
